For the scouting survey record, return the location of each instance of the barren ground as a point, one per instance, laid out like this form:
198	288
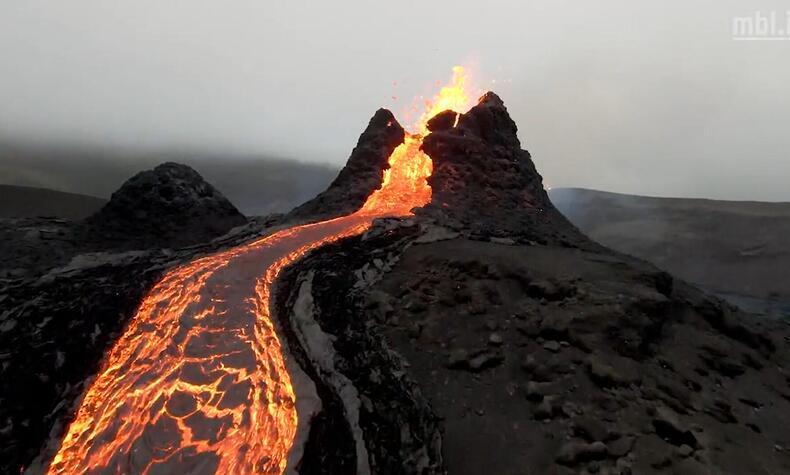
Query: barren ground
737	249
550	360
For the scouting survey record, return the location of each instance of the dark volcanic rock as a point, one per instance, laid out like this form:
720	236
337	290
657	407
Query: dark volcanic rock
361	175
55	328
400	430
63	324
29	246
169	206
612	377
484	182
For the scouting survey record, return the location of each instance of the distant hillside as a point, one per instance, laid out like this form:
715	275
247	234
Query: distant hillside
255	185
735	248
27	202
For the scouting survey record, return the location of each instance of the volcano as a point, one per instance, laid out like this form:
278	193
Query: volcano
515	344
431	312
159	205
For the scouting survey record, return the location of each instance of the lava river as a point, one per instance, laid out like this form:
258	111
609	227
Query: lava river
198	382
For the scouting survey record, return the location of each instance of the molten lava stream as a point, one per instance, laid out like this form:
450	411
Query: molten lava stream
197	383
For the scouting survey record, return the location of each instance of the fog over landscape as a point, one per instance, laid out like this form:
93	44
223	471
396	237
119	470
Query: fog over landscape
647	99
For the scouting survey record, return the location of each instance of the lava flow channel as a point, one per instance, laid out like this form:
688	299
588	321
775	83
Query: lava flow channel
197	383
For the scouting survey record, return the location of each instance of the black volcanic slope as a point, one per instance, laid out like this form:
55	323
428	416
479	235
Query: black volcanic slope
488	335
362	173
169	206
28	202
484	183
737	249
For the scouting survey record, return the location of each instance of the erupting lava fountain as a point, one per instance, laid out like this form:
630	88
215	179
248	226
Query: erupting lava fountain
197	382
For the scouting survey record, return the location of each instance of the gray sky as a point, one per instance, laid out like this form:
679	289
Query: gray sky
640	97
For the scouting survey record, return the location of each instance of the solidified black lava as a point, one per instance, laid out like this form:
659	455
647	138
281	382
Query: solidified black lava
362	173
169	206
58	330
485	183
401	432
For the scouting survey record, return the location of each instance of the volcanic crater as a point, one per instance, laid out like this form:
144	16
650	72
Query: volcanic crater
515	344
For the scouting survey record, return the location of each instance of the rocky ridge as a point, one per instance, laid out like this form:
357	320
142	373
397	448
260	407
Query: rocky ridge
362	173
169	206
485	184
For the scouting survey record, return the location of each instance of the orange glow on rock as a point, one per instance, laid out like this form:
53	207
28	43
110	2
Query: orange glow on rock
198	381
404	184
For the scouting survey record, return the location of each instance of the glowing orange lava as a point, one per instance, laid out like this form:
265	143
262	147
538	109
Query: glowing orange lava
197	382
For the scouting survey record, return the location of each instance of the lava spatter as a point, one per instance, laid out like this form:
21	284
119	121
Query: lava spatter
197	382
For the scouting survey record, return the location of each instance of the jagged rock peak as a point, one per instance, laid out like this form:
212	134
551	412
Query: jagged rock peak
484	182
361	175
169	206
